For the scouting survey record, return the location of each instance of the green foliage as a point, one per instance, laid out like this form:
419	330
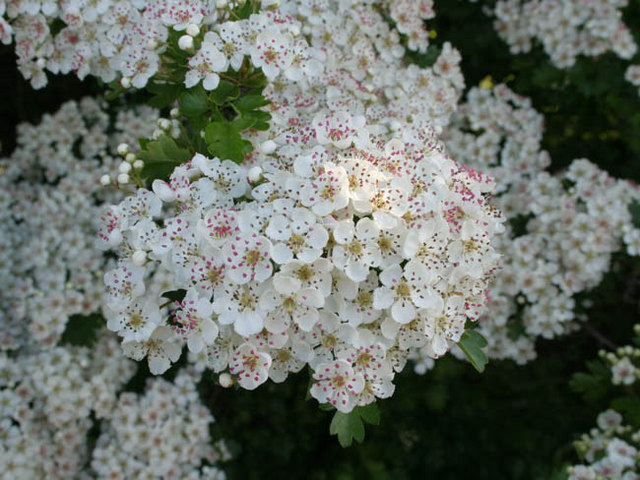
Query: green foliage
82	330
472	343
350	426
592	385
161	156
224	140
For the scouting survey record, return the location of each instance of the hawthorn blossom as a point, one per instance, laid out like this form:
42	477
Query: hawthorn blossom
250	366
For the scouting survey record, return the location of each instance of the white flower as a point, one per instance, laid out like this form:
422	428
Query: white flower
239	305
356	248
205	65
195	322
250	366
248	258
161	350
337	384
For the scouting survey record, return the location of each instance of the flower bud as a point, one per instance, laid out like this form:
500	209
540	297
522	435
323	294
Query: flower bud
105	180
41	62
254	174
125	82
138	164
123	178
164	124
268	146
175	113
185	42
123	149
130	157
139	258
124	167
225	380
193	29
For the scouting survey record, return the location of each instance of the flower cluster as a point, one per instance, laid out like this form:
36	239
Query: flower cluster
47	399
346	238
128	40
344	260
50	203
563	228
565	28
163	433
609	452
52	395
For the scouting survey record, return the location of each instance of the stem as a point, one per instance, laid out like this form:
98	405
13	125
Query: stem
591	330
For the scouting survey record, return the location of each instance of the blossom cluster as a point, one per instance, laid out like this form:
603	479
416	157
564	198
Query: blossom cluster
52	395
162	433
564	28
127	40
609	452
345	240
344	261
47	398
563	228
50	201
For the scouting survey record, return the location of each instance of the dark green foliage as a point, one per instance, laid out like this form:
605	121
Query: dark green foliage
161	156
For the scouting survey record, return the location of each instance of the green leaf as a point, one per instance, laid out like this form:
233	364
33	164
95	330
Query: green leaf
350	426
593	385
194	102
629	406
164	94
634	210
225	142
260	120
82	330
247	103
225	92
245	10
472	343
161	156
175	295
347	426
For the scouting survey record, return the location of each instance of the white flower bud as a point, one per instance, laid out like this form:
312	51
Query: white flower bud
130	157
175	113
123	149
105	180
185	42
157	133
138	164
254	174
268	146
124	167
225	380
139	258
221	3
152	44
41	62
123	179
164	124
125	82
193	29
